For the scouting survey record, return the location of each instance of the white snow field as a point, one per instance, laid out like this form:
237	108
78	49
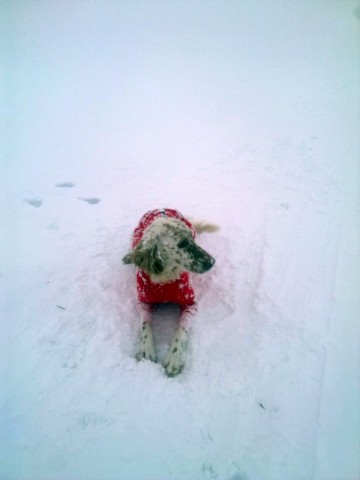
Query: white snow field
243	113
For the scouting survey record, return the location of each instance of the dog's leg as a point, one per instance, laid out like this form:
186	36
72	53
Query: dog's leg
175	359
147	347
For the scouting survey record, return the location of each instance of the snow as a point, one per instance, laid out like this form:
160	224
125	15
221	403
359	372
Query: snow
244	114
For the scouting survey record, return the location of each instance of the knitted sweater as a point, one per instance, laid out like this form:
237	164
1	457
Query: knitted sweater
180	291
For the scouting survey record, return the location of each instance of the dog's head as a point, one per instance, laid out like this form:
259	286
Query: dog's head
166	249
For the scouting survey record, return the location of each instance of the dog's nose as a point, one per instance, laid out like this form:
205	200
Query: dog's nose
209	263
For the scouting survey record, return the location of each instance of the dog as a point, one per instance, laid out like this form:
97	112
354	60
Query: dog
164	252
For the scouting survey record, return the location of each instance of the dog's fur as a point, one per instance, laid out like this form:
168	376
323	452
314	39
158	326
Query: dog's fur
166	250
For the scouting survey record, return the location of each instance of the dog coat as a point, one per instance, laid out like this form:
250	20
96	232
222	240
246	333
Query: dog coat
180	291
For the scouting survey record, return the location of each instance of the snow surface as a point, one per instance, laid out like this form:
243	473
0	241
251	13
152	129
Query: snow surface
242	113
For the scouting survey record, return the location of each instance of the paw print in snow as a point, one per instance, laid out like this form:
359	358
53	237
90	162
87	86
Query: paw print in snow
65	185
34	202
91	201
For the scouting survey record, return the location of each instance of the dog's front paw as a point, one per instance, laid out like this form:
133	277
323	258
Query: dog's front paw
175	360
145	354
147	347
174	364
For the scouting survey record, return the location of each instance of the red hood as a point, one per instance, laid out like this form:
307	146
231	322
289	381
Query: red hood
152	215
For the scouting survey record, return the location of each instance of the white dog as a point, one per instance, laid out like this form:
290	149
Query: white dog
164	250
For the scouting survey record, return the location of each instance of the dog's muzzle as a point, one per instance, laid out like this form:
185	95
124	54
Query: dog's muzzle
202	260
209	263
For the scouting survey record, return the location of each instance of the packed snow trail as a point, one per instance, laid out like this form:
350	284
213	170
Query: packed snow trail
243	114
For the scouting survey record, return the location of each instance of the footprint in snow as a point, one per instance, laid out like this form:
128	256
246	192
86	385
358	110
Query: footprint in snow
91	201
285	205
65	185
34	202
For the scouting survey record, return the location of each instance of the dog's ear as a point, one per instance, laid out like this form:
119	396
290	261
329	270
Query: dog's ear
156	263
127	259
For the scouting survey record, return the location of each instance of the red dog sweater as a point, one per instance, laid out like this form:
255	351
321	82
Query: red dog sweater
179	291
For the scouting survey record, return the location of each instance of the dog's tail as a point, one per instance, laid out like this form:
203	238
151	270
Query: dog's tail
201	227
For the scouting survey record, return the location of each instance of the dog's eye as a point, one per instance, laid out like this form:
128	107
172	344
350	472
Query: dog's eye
183	243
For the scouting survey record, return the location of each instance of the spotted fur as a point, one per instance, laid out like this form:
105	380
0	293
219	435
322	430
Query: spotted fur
166	249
